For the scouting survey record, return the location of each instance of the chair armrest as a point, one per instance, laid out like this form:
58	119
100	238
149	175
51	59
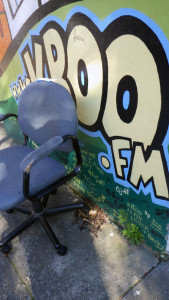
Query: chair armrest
76	147
26	168
6	116
39	153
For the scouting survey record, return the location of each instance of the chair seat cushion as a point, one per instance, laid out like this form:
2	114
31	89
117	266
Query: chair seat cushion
44	173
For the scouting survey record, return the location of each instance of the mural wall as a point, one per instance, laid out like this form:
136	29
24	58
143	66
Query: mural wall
114	60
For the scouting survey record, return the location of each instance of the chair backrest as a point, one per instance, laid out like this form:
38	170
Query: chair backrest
46	109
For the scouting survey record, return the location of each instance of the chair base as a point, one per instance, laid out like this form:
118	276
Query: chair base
38	214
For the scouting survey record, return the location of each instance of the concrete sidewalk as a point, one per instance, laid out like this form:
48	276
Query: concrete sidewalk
106	267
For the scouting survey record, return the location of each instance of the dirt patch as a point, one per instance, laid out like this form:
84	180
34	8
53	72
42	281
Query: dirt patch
92	217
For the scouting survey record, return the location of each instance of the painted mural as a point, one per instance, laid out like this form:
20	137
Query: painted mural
114	60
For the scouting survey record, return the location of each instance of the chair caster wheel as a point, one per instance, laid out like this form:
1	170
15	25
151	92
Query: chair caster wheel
6	248
9	211
62	250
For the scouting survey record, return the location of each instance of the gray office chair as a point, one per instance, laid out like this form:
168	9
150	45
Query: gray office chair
47	115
